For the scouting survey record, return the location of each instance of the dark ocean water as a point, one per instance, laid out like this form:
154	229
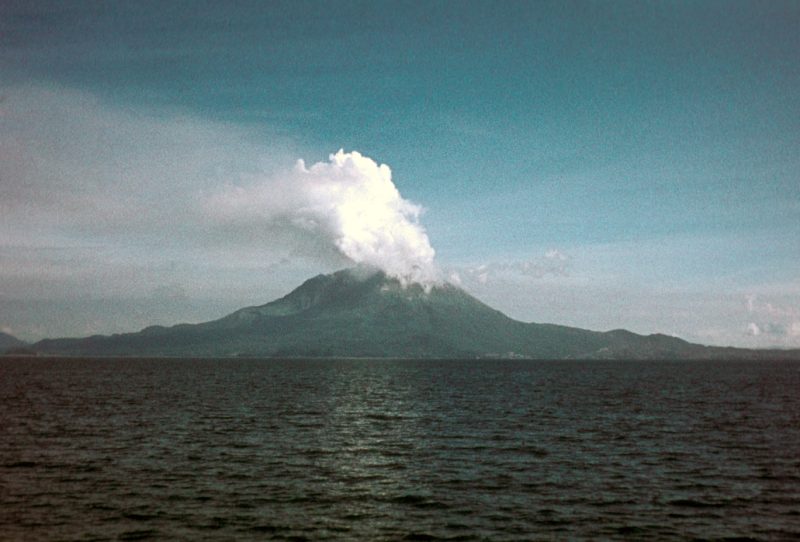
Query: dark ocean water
388	450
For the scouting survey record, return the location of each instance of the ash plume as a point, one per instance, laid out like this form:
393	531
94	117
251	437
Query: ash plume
348	203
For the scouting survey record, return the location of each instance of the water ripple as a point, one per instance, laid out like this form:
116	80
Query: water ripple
398	450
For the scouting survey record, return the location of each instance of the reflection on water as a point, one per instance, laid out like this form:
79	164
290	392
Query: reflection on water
137	449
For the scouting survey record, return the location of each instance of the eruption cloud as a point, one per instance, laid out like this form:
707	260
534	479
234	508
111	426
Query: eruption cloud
349	203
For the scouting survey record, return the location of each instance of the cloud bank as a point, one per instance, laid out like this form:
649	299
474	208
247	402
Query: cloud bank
349	203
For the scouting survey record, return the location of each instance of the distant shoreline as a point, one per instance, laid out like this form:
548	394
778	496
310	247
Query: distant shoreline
780	355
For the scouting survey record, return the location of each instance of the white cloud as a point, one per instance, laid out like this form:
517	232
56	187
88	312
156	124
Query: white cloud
776	323
349	203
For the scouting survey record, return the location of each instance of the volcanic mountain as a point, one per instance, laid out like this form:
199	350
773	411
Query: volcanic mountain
359	313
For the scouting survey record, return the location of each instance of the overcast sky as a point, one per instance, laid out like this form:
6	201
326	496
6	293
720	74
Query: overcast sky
596	164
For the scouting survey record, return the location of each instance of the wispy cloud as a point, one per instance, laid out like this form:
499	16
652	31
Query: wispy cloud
553	263
97	199
73	166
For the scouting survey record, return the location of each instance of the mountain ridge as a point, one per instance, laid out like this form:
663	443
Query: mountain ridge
365	313
8	341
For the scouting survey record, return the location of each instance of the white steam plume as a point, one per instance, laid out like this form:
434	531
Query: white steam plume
349	203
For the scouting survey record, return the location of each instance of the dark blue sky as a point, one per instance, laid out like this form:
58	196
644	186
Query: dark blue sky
654	145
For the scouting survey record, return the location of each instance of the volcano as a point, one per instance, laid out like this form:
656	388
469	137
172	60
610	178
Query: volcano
362	313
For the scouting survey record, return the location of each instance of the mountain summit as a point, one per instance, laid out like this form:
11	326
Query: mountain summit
365	313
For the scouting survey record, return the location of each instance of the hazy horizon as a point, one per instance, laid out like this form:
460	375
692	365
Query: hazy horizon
603	166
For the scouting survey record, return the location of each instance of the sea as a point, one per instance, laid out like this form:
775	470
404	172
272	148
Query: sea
234	449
